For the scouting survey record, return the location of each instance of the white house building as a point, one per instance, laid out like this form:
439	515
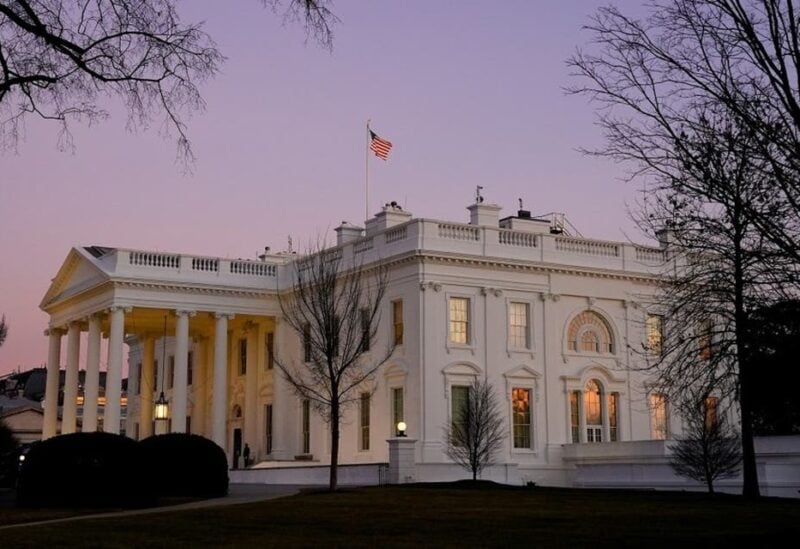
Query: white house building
557	323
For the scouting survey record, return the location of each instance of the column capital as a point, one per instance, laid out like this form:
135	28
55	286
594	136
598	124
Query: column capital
221	314
54	330
185	312
123	308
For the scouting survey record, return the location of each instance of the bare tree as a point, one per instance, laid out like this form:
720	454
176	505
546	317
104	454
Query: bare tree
691	99
3	330
655	77
59	58
335	311
709	449
476	431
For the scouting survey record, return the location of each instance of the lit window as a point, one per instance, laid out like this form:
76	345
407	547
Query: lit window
589	332
521	411
518	325
398	413
613	422
397	318
658	416
459	320
242	357
364	421
593	407
655	333
711	406
575	415
306	427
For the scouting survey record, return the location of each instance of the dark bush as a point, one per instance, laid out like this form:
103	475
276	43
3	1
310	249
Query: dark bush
84	470
181	464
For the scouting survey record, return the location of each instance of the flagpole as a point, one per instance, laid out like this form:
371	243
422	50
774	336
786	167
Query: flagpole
366	183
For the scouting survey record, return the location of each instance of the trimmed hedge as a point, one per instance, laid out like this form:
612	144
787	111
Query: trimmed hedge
84	470
181	464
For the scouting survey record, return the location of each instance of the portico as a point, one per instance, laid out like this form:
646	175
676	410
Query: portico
218	316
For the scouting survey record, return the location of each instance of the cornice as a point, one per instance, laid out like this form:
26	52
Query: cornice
526	266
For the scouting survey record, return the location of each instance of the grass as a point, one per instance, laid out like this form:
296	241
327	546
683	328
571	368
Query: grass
442	516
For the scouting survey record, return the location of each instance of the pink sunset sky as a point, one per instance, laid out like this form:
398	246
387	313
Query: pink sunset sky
470	93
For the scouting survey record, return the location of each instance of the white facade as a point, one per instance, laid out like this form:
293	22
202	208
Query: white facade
546	318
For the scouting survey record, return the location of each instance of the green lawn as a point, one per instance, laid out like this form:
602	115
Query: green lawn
446	515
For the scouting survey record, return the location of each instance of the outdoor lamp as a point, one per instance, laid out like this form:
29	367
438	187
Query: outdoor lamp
162	408
401	428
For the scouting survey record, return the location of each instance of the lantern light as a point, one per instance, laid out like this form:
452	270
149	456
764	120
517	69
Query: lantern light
401	428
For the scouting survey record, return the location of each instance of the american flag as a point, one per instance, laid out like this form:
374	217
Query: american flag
379	146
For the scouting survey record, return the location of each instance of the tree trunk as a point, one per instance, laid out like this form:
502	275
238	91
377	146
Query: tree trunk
334	469
749	471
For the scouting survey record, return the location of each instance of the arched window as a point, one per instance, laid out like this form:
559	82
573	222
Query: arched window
590	333
593	413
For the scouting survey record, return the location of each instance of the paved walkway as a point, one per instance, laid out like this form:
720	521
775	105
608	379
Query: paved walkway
237	493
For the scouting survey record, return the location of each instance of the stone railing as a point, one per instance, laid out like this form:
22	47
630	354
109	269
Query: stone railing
458	232
254	268
155	259
587	247
363	246
651	255
395	234
205	264
517	238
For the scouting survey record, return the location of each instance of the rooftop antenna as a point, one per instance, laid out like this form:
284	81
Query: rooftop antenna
520	203
478	197
290	243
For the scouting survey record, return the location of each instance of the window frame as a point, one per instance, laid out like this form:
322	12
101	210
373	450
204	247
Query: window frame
655	432
398	329
655	350
528	307
470	338
531	420
305	426
364	421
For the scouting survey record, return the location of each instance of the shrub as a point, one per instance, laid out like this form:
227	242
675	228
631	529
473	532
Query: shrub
83	470
9	455
181	464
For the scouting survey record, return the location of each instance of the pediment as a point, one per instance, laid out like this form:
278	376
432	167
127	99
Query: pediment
523	372
78	273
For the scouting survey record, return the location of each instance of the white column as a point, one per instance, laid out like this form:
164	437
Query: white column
92	381
284	413
251	390
179	383
116	337
70	410
199	385
219	403
147	387
50	426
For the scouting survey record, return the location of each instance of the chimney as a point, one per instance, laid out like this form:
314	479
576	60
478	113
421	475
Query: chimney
484	215
347	232
392	214
666	236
